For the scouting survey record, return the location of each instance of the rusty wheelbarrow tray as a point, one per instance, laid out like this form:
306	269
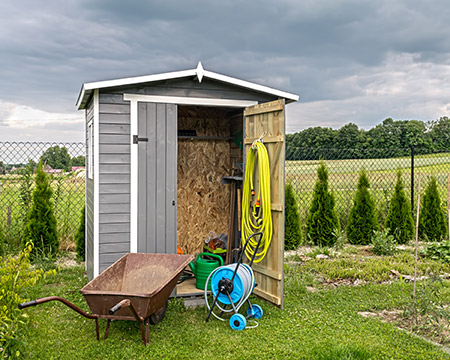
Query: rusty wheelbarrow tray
135	287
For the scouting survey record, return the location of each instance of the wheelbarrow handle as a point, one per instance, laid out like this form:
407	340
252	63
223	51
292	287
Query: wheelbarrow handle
57	298
28	304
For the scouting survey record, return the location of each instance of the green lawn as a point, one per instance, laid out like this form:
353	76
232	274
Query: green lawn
319	324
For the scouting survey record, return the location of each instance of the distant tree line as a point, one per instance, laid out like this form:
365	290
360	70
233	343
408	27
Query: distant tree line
350	142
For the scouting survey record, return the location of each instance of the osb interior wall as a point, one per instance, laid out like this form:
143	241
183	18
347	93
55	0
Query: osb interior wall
203	201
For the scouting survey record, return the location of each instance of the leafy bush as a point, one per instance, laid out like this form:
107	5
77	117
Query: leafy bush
432	224
322	223
292	234
437	251
16	275
399	220
80	236
41	224
383	243
362	221
2	240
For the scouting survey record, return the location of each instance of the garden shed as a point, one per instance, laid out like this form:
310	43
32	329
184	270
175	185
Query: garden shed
157	147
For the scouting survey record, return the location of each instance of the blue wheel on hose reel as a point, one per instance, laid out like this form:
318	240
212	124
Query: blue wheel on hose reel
255	312
238	322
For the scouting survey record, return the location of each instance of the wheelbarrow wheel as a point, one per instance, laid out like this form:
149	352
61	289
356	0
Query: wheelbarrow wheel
158	315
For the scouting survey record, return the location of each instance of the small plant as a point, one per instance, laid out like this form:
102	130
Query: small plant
383	243
362	221
426	311
16	275
341	240
438	251
41	224
432	224
322	222
80	236
292	233
399	220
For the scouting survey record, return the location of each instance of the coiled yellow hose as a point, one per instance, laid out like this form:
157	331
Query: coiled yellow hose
260	218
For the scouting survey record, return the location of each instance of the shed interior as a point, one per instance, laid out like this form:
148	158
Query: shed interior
209	148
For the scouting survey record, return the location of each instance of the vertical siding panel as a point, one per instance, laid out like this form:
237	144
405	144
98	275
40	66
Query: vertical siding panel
171	170
151	177
142	173
161	196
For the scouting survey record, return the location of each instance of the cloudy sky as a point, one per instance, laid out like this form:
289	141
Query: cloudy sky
349	60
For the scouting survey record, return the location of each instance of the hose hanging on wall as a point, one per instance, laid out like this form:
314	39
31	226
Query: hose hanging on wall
256	214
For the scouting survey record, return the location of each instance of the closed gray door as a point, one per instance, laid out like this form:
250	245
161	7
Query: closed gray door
157	178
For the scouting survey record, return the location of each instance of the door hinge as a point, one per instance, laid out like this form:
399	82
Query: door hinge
136	139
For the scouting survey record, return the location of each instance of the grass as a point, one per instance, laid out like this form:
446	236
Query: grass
323	324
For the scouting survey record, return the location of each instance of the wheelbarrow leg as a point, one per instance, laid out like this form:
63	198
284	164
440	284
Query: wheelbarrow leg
145	331
96	329
107	328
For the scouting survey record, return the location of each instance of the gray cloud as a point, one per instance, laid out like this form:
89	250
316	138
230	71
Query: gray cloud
350	60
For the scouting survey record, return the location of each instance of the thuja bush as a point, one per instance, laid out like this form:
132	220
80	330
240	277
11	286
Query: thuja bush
80	236
41	222
292	232
399	220
322	224
362	221
432	225
16	274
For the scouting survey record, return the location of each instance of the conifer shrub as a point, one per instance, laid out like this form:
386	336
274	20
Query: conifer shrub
80	236
432	224
41	223
362	221
292	232
399	220
322	225
2	240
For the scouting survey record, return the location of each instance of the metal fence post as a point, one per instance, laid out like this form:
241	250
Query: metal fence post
412	179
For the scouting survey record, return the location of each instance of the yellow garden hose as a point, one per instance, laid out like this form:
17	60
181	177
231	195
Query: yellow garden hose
259	219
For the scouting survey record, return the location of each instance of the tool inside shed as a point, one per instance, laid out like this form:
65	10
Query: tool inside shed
231	287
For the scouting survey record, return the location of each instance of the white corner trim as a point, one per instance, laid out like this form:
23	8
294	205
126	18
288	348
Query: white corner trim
188	101
96	185
133	178
199	71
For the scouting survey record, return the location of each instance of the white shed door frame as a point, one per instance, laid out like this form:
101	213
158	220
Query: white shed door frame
134	99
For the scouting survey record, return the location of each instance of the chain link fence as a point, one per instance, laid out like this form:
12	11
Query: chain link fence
381	166
64	163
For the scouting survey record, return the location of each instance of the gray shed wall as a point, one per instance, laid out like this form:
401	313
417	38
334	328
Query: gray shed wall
114	169
89	241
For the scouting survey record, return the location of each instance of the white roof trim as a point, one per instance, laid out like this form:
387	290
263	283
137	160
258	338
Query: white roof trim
87	88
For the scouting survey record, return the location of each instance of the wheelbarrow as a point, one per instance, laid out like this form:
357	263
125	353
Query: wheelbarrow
136	287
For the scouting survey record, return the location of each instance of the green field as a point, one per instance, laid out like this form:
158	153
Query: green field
343	178
68	199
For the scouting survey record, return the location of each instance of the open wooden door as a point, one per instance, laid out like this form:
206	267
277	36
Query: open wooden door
269	118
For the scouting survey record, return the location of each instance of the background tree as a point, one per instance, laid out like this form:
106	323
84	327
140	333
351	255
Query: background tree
79	160
2	168
41	224
322	224
80	236
57	157
292	232
399	220
432	224
362	221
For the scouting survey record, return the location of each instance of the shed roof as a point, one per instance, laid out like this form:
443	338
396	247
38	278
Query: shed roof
199	73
